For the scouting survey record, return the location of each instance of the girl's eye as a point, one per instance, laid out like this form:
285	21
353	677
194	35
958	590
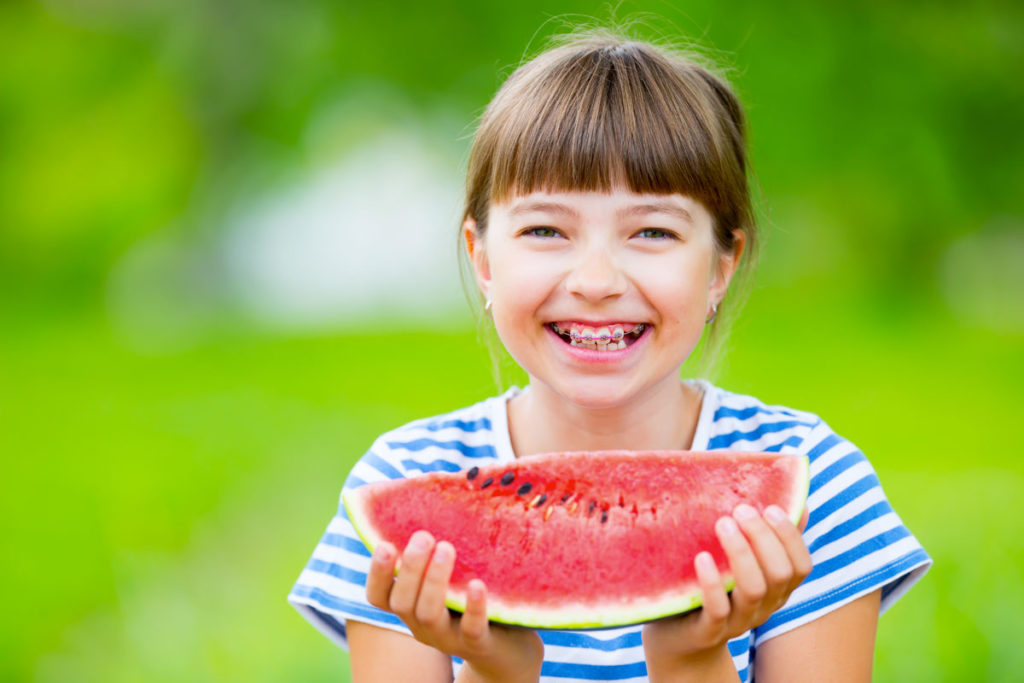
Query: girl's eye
656	234
541	231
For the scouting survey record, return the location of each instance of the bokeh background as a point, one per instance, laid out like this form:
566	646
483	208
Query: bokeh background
227	238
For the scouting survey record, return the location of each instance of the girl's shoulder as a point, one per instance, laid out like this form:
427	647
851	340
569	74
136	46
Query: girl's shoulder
735	421
448	442
731	404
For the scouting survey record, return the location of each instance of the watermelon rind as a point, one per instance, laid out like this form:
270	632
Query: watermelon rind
591	616
613	613
803	485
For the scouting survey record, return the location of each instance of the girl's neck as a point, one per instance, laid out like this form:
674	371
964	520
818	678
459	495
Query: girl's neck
663	418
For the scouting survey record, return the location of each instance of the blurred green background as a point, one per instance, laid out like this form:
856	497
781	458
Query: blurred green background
226	238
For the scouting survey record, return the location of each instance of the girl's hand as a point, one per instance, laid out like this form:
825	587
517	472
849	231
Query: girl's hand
768	559
491	652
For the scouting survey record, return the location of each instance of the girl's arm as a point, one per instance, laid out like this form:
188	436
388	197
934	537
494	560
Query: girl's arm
416	596
838	646
377	654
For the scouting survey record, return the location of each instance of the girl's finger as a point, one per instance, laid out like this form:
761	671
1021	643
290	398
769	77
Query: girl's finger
474	620
804	518
381	576
410	575
793	542
750	584
430	608
771	555
715	607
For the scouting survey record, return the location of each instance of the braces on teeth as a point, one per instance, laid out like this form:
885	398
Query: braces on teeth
605	340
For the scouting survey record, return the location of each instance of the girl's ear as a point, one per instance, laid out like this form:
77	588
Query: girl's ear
725	268
477	256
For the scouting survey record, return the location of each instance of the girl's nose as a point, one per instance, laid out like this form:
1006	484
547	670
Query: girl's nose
596	276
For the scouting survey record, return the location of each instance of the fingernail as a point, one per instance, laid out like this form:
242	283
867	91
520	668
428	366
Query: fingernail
705	561
382	554
727	526
744	512
419	542
442	553
775	514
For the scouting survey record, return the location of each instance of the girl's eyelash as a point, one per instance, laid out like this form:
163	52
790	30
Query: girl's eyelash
546	231
660	233
541	231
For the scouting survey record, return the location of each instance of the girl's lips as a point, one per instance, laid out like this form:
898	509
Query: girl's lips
600	352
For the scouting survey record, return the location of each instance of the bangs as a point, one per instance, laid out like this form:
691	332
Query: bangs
613	116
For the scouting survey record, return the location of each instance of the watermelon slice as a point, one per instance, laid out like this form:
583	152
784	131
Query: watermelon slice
581	540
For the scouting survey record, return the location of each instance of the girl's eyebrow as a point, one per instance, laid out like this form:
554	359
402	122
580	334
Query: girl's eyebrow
667	207
664	206
541	205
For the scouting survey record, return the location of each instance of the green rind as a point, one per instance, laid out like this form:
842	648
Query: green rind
352	500
566	617
805	489
586	617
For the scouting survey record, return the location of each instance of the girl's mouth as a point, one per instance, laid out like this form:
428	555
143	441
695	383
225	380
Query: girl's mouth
602	338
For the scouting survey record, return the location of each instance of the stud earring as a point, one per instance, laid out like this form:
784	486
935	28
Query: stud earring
714	314
487	305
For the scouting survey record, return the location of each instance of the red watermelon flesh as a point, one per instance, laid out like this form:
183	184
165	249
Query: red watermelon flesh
579	540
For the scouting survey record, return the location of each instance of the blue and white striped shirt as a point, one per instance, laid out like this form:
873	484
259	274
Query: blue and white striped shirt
857	542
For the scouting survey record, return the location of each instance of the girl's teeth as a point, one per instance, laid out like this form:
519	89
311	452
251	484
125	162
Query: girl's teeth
606	338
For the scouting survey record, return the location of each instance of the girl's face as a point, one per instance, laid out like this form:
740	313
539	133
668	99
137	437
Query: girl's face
600	297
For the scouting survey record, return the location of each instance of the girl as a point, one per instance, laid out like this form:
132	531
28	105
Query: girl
607	200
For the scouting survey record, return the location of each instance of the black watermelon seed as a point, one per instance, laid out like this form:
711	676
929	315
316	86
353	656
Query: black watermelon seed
524	489
566	497
487	482
507	478
540	501
473	471
590	508
604	516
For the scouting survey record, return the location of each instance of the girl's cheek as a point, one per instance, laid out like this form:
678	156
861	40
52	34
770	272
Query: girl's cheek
528	272
671	276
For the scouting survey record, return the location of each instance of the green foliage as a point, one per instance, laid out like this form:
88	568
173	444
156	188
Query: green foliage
890	122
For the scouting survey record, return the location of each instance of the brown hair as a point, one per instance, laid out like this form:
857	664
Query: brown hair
600	110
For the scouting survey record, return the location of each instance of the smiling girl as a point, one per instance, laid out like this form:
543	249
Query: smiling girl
607	211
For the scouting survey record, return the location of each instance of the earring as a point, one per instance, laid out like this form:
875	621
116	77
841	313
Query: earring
487	305
714	314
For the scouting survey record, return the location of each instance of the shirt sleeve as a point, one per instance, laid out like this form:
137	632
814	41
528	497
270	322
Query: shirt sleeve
858	544
332	587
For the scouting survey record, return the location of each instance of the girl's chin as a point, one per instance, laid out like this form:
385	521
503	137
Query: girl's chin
597	395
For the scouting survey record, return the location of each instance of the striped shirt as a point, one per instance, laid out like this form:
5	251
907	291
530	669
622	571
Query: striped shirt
858	544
